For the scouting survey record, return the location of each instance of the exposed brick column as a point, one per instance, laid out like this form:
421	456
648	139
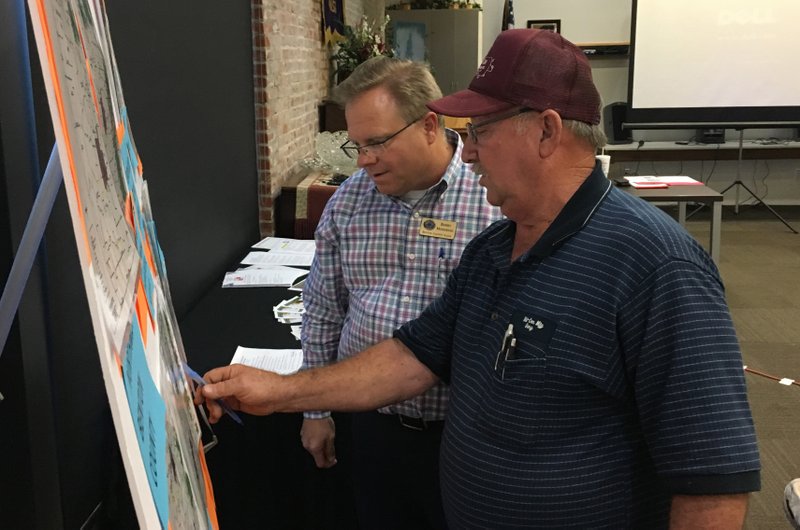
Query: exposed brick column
265	199
290	78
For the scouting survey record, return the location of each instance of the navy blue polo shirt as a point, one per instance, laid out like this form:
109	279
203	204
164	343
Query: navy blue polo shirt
625	385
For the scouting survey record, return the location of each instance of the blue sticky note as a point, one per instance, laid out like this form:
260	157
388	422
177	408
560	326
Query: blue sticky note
149	419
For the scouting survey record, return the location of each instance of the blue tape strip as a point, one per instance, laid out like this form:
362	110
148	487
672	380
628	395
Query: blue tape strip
29	245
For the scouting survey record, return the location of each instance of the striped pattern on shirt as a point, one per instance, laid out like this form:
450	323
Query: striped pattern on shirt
373	270
626	386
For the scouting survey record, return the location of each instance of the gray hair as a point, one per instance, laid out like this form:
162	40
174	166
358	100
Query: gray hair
591	133
410	83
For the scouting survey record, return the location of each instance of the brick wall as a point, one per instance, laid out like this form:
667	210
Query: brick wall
290	78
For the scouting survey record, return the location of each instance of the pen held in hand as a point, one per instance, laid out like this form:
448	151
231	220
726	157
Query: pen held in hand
197	378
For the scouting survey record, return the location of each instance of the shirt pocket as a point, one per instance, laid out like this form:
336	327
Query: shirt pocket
511	410
434	277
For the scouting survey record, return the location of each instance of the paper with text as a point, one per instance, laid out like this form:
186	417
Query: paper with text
279	361
273	257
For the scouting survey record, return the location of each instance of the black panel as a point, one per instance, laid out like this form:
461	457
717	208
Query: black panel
13	409
614	115
262	476
186	69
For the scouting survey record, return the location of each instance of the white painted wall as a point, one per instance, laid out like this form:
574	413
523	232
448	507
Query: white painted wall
584	21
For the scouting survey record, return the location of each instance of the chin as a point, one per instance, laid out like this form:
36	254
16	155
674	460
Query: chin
388	190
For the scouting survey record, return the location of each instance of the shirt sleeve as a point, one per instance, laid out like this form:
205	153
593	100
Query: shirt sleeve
325	299
683	358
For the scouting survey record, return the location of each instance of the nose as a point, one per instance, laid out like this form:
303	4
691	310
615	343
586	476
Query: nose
469	153
365	158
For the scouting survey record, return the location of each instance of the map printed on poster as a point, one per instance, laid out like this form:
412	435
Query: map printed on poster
140	348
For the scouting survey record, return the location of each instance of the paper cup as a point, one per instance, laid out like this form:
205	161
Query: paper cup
605	163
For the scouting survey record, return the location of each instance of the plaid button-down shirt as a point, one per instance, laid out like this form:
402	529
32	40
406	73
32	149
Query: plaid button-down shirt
374	271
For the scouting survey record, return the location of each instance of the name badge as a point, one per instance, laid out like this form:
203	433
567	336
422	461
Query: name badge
440	228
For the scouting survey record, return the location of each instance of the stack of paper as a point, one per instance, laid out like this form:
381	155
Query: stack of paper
263	276
662	181
282	252
290	311
291	245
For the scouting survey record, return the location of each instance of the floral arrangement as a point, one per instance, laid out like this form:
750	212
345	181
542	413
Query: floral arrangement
360	42
436	4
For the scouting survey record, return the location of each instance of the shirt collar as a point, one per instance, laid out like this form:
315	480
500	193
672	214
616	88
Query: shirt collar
456	165
574	215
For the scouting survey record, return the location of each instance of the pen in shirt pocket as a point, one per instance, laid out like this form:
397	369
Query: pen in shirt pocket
441	263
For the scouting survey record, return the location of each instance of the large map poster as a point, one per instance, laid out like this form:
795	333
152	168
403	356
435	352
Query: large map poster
140	348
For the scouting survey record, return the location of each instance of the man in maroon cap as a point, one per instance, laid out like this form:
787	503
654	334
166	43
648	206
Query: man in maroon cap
595	374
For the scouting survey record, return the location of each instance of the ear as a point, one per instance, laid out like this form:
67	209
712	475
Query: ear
552	129
430	123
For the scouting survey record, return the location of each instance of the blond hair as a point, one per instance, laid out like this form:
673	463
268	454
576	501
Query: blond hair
410	83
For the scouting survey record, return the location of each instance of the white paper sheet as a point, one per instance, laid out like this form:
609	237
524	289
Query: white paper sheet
279	361
290	245
263	276
274	257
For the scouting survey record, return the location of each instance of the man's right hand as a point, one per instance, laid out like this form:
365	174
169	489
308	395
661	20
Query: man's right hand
318	436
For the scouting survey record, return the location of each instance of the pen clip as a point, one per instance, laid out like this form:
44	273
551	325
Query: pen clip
512	348
508	336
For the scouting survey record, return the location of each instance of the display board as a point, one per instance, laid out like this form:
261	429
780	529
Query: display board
140	348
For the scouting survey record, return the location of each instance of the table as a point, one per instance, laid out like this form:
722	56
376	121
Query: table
300	204
262	476
670	151
683	194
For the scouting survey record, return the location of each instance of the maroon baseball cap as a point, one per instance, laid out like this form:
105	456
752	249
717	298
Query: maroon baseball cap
531	68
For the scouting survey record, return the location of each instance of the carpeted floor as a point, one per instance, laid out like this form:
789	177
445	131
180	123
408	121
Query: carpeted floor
760	265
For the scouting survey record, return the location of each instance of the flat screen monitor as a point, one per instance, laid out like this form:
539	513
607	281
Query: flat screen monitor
727	63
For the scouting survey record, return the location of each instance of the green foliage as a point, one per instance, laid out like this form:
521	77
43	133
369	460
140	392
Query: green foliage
360	42
436	4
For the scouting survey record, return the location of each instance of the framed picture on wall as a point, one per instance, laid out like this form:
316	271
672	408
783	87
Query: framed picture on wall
409	40
549	25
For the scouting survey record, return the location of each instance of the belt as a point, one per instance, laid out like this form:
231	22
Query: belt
410	422
417	424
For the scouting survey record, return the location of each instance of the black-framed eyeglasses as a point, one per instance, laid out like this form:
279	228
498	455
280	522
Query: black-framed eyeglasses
352	149
472	128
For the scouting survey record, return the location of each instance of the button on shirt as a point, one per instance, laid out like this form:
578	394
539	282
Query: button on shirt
373	270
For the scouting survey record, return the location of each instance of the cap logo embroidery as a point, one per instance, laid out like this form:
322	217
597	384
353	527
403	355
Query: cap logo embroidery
486	66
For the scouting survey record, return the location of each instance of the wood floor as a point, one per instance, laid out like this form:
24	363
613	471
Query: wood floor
760	265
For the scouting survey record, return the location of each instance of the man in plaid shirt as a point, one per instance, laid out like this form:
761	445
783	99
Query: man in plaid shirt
386	243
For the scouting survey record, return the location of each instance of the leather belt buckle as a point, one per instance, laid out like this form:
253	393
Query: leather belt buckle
409	422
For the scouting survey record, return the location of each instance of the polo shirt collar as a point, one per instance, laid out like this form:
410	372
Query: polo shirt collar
573	216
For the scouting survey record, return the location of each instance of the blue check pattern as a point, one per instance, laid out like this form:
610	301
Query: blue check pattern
373	271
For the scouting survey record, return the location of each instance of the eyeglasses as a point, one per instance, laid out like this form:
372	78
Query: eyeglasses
472	128
352	149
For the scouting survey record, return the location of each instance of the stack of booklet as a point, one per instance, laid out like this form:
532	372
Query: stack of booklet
290	311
